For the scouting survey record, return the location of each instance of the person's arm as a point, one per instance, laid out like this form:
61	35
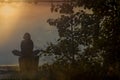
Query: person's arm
16	53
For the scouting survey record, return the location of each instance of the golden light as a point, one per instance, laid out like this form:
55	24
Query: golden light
6	0
9	14
7	10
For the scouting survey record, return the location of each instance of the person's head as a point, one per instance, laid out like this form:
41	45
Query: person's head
27	36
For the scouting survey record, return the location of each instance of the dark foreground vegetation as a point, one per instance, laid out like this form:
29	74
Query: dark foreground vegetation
67	72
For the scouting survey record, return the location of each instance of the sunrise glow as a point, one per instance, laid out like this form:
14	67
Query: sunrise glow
6	0
7	10
9	14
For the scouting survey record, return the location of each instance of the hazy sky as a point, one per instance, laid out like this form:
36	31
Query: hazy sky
16	19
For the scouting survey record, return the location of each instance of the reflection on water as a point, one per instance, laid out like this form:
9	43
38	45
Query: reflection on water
18	18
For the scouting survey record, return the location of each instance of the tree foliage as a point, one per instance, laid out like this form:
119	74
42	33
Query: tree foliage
88	46
90	41
98	32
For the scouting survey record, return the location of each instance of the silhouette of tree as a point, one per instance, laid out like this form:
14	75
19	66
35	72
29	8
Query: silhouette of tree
98	32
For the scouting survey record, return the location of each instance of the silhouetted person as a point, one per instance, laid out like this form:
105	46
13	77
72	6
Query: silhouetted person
26	47
28	59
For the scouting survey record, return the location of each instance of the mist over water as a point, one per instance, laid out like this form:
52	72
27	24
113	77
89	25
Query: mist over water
19	18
